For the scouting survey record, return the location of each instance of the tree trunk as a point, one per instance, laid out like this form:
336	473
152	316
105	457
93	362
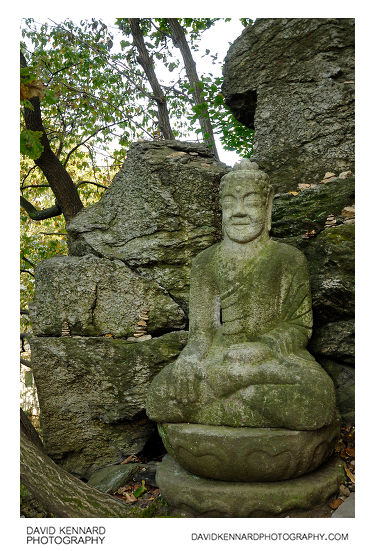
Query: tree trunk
59	492
58	178
179	40
146	62
28	430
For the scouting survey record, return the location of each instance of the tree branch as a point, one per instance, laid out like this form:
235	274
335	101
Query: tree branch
159	30
62	494
28	172
93	183
34	186
28	261
52	233
27	272
179	40
59	179
24	312
36	214
25	362
146	62
29	431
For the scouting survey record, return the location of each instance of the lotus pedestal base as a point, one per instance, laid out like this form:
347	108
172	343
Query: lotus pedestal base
189	495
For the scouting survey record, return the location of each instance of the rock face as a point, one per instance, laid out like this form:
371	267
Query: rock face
331	254
127	274
301	220
98	296
293	81
92	393
294	215
161	209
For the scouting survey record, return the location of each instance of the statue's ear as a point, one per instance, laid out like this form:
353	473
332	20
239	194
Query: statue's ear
269	209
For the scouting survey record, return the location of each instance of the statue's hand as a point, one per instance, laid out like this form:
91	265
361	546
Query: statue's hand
187	375
248	352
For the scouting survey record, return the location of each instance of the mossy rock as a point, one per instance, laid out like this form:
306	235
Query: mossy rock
331	261
294	215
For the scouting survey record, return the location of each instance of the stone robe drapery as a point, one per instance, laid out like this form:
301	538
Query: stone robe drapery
238	303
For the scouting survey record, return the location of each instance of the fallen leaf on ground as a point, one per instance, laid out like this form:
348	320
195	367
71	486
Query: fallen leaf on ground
309	234
130	498
124	489
335	503
130	459
349	474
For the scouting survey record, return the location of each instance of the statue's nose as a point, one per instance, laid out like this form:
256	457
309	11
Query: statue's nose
239	209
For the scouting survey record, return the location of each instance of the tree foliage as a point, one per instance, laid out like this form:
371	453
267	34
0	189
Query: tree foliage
95	100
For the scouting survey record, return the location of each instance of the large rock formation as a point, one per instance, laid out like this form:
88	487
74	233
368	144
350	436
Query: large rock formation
97	296
128	269
293	81
92	393
161	209
301	220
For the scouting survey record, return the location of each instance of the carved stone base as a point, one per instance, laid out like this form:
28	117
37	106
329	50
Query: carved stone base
192	496
248	454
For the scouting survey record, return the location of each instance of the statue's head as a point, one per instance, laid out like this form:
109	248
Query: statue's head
246	199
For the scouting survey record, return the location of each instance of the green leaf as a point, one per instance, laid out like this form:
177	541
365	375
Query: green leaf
141	490
30	143
219	100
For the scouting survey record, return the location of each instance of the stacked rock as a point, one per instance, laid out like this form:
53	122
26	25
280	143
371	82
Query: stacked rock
331	221
141	331
65	329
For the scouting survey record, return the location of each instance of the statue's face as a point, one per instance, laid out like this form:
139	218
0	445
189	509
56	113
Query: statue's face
244	210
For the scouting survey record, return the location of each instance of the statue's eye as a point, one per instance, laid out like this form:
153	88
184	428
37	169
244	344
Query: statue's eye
228	201
252	201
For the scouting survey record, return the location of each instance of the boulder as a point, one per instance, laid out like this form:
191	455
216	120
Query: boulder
343	377
345	393
331	261
113	477
161	209
97	296
294	215
334	341
92	393
292	80
300	220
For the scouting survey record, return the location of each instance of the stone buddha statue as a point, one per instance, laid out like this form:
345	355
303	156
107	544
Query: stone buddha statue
245	410
250	319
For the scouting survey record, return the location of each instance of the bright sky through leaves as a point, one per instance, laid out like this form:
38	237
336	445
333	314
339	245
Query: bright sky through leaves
217	39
